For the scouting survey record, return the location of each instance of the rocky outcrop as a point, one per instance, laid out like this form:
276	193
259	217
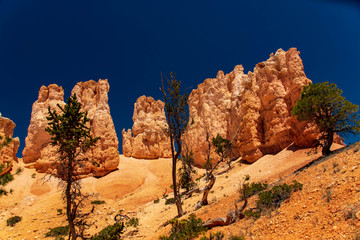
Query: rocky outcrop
253	108
94	99
148	138
37	142
8	152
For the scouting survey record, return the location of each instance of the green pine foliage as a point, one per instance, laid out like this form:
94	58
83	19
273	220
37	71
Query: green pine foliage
6	178
98	202
70	132
273	198
111	232
253	188
221	145
186	172
177	117
58	231
323	105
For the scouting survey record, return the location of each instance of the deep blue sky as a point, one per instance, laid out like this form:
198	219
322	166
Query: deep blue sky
131	42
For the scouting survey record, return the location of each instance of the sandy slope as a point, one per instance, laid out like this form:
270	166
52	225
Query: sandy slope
132	188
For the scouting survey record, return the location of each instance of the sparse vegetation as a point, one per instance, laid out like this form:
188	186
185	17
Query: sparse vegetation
253	213
185	229
157	200
235	237
187	170
58	231
169	201
18	170
6	178
253	188
3	191
12	221
214	236
111	232
273	198
133	222
98	202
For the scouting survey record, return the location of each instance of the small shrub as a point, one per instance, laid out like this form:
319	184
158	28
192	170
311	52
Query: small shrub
170	201
241	237
3	191
6	178
214	236
33	175
134	222
98	202
59	211
156	200
252	213
252	189
18	170
12	221
185	229
58	231
274	197
111	232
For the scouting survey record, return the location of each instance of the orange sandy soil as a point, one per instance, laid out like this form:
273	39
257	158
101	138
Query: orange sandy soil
137	183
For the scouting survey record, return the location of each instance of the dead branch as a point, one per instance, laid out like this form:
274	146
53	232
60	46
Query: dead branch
231	217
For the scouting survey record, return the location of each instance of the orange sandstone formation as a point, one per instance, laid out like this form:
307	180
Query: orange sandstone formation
94	99
254	107
8	153
149	140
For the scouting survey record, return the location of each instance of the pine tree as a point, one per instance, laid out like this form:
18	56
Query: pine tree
323	105
71	134
177	117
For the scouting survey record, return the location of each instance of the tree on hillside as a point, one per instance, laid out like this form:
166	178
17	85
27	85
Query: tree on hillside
187	169
177	117
221	144
71	134
323	105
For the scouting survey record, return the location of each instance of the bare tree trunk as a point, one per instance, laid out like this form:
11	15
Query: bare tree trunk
207	189
329	138
231	217
177	196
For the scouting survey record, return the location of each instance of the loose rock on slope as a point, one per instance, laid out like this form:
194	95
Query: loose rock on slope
94	99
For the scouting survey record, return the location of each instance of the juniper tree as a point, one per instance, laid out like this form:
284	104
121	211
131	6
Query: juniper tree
323	105
70	132
177	117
